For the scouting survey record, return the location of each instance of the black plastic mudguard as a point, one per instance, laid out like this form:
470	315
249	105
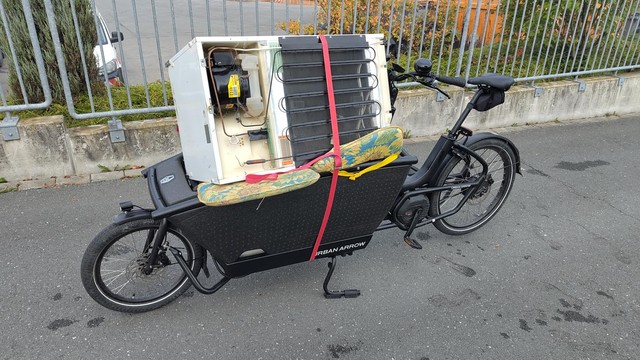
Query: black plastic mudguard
488	135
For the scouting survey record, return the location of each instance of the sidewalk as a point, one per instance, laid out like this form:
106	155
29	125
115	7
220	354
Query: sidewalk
55	182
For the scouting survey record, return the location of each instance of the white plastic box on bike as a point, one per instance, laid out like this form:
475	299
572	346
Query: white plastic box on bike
258	104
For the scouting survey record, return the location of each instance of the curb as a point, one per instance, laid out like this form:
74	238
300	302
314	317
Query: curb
57	182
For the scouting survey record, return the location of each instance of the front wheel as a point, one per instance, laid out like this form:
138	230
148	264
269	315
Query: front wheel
114	271
482	205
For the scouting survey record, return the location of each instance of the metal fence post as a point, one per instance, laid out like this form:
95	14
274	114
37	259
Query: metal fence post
9	124
465	32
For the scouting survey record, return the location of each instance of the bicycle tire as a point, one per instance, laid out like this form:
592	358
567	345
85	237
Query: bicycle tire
488	199
112	272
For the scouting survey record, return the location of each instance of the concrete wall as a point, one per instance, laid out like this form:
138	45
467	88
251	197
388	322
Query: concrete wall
42	150
147	142
47	149
419	111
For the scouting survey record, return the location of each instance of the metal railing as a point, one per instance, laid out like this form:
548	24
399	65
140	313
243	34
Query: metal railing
530	40
8	125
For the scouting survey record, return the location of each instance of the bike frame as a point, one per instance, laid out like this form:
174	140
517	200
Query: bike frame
418	183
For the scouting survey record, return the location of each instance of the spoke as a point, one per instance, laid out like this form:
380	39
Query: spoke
133	242
494	165
498	169
111	259
113	278
117	289
449	198
489	162
106	271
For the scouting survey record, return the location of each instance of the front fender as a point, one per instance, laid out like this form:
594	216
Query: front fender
135	214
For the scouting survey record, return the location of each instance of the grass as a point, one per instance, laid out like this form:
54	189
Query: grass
117	168
120	100
3	180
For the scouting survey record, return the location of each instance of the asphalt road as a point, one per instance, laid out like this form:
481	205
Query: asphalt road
553	276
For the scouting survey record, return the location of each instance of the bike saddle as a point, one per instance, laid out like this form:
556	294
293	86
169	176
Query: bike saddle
500	82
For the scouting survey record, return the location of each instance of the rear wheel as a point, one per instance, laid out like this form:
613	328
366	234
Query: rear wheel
113	267
489	196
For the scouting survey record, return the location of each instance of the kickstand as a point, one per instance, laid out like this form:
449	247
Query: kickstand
349	293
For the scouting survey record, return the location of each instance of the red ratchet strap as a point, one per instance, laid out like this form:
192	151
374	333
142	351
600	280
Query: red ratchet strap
336	144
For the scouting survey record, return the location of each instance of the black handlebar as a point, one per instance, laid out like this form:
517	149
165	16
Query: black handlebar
455	81
422	75
428	79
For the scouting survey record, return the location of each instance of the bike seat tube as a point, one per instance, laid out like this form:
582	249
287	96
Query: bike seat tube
466	112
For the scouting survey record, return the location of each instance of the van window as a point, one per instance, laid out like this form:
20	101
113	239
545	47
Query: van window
102	37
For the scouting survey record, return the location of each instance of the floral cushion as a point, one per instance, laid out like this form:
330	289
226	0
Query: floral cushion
376	145
218	195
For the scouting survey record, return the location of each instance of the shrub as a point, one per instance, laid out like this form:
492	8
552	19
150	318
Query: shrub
120	101
539	37
410	23
66	29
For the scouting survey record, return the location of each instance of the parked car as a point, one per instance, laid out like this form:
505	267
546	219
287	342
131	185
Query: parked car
111	62
632	25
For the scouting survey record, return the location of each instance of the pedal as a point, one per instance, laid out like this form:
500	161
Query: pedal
413	243
407	236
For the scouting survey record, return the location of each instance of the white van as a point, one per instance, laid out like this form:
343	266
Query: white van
110	61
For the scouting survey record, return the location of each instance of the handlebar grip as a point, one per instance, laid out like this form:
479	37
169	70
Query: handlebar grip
401	77
456	81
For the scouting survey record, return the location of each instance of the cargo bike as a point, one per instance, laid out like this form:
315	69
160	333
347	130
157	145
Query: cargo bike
322	206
